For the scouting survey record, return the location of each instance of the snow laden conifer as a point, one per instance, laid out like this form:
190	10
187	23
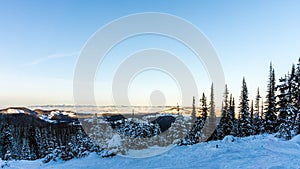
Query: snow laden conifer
297	98
178	130
245	128
196	134
6	140
270	104
204	114
231	120
286	109
221	129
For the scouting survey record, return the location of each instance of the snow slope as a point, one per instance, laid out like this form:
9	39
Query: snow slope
263	151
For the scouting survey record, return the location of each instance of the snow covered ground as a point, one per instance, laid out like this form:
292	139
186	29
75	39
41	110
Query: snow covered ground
263	151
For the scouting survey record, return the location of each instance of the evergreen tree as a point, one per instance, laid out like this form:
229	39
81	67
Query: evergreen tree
226	100
25	151
222	127
33	143
232	109
251	113
211	122
257	99
196	135
231	121
244	121
204	115
286	129
297	98
286	109
284	100
178	130
6	140
270	109
193	115
257	121
204	109
263	121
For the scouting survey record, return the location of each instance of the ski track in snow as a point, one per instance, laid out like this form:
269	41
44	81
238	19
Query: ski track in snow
263	151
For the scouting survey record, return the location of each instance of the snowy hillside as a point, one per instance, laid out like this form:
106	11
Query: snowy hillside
262	151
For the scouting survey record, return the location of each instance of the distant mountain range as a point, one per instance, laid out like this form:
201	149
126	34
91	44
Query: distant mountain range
55	116
50	116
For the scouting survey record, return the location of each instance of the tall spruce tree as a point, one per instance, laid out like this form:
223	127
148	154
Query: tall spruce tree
257	118
284	100
244	121
6	140
257	99
286	106
270	107
230	118
251	113
211	124
232	109
204	115
297	98
222	128
226	100
204	109
196	135
193	114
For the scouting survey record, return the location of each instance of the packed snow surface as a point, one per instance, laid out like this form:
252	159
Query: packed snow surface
263	151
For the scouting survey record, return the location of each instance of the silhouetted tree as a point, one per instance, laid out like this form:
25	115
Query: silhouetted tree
211	123
270	109
193	115
257	120
245	128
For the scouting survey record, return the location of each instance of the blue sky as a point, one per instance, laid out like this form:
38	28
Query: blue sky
40	42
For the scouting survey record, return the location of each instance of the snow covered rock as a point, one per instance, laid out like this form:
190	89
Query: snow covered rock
229	139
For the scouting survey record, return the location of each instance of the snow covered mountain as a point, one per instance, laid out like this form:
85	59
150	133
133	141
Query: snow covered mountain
50	116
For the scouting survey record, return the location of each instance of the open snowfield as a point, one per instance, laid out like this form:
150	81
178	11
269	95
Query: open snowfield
263	151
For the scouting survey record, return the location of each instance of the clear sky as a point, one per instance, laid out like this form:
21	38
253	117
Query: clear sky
40	42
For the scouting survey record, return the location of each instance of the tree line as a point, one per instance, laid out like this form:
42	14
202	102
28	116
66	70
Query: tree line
279	113
23	137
